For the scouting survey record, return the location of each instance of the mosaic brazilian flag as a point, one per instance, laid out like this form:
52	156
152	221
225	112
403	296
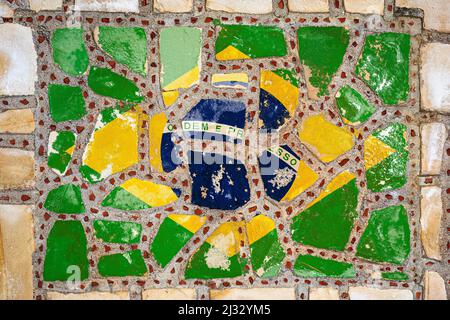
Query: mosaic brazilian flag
328	220
278	97
137	194
386	158
219	255
284	175
173	234
237	42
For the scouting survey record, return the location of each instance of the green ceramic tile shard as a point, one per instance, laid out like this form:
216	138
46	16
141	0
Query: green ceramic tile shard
65	199
395	276
66	102
66	254
173	234
60	148
308	266
321	51
126	264
387	236
110	84
69	51
384	66
327	221
353	107
386	158
237	42
126	45
118	231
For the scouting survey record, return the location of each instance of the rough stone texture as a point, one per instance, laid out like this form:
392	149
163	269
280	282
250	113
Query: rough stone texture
366	293
437	15
108	5
16	249
323	294
18	68
17	121
173	5
364	6
434	286
16	169
39	5
169	294
241	6
6	11
94	295
435	77
308	5
254	294
430	221
433	137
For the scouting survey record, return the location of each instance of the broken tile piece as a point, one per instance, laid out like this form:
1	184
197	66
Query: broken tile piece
326	140
93	295
126	264
284	175
169	294
435	77
66	254
365	6
126	45
239	6
175	231
110	84
66	102
237	42
16	169
327	293
41	5
108	5
386	237
60	149
219	256
166	6
20	121
6	11
230	80
239	294
18	66
367	293
136	194
218	182
328	220
118	231
308	266
431	213
433	137
320	65
267	254
386	158
278	97
69	51
395	276
113	146
65	199
384	66
434	286
436	17
308	5
353	107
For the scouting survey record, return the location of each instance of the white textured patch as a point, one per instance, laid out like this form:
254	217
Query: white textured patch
173	5
241	6
216	259
39	5
6	11
108	5
308	5
282	177
365	6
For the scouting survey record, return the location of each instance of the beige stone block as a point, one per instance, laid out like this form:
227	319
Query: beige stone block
108	5
18	66
434	286
173	5
323	294
6	11
433	137
16	169
366	293
169	294
95	295
435	77
437	13
16	250
430	221
254	294
19	121
241	6
364	6
40	5
308	5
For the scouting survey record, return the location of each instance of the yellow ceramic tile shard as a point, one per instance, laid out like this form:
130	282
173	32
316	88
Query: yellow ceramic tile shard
375	151
231	53
153	194
325	140
305	178
281	89
258	227
185	81
156	129
170	97
189	222
227	238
